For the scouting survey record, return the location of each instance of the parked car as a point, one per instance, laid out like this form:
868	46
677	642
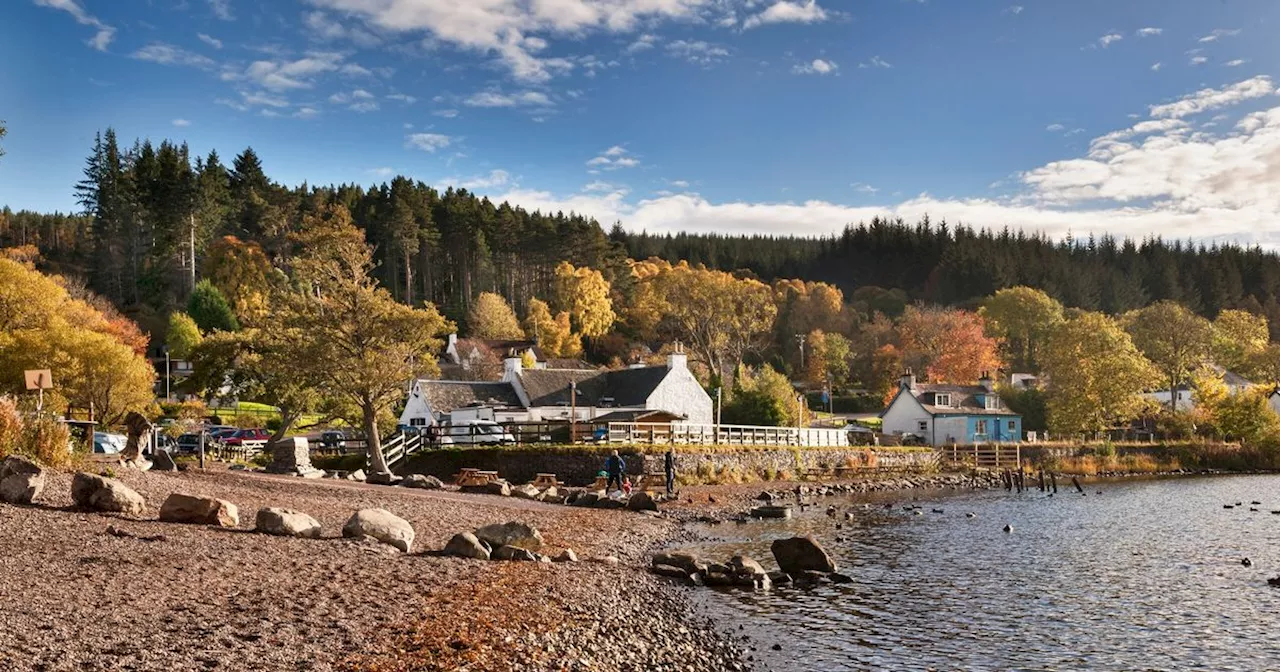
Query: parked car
248	438
333	439
188	443
106	443
220	432
476	432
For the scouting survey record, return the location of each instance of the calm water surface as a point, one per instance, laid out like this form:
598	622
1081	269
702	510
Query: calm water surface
1141	576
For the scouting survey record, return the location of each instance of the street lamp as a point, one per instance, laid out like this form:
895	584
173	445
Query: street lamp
168	371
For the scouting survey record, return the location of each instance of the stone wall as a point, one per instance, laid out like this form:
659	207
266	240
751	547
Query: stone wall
579	466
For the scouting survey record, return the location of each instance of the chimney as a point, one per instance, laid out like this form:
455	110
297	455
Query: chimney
908	380
677	360
986	382
512	367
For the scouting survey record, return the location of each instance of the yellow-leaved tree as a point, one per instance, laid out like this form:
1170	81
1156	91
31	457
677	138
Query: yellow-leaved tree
491	317
1239	338
585	295
554	335
1096	375
1174	339
1021	318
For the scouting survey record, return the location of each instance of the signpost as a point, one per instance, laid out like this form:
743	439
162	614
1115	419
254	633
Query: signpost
40	380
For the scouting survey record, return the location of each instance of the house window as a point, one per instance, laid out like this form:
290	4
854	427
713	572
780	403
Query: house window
923	426
980	428
1012	425
943	400
993	402
417	422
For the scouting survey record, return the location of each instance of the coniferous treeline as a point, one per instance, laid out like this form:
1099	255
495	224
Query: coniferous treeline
151	212
957	265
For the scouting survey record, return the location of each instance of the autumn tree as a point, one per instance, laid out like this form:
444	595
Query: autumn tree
1021	318
828	360
210	310
1265	365
1174	339
365	346
1096	375
762	396
584	294
947	345
804	307
182	336
1239	337
491	317
243	274
554	335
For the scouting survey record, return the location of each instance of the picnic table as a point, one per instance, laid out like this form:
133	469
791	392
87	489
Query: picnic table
468	476
544	481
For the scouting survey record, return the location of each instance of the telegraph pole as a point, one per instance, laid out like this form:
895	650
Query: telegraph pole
800	338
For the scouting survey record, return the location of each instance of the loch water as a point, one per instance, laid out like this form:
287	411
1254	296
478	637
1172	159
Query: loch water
1133	575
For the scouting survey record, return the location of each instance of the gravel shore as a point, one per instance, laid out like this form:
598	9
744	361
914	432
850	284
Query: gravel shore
182	597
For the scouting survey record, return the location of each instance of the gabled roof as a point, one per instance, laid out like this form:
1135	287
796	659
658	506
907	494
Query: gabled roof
655	416
626	387
964	400
506	347
446	395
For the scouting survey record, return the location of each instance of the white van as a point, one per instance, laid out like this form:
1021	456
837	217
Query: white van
475	432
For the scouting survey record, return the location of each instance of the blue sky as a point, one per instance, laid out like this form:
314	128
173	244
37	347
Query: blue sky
780	116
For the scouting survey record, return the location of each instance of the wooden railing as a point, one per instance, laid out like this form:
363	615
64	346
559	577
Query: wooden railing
983	455
743	435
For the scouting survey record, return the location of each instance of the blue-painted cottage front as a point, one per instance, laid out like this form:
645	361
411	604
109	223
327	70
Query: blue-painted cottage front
941	415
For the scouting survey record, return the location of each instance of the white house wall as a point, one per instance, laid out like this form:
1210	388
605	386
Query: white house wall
904	416
680	392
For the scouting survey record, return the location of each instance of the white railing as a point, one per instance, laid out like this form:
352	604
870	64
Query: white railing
741	435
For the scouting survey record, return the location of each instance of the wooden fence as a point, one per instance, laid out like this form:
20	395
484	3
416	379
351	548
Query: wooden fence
982	456
742	435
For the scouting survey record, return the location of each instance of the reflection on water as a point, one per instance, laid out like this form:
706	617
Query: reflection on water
1141	576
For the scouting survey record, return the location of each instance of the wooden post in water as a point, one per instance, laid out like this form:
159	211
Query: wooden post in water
1053	480
1042	485
1075	481
1022	482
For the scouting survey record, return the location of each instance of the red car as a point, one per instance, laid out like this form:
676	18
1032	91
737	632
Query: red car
249	438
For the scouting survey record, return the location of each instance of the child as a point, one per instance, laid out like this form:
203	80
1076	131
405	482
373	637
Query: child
626	486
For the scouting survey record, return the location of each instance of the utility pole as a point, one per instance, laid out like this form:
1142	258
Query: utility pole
800	338
193	252
573	411
719	405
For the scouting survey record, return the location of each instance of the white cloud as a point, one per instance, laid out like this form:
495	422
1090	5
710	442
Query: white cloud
499	99
1198	60
1015	9
355	70
211	41
679	184
181	123
428	142
642	43
514	31
1235	63
787	11
1155	67
282	75
817	67
697	51
101	39
269	113
222	9
1148	32
306	112
1055	128
875	62
402	97
1109	38
364	106
323	27
269	100
616	150
1208	99
1219	33
598	186
495	178
613	158
382	172
864	188
447	114
167	54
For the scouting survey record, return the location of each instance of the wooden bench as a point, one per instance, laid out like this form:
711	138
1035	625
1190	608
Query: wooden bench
469	477
544	481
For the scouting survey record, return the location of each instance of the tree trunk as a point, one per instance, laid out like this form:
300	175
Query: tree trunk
408	279
377	461
287	420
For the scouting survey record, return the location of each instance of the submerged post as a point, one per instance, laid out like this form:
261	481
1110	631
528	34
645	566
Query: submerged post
1053	479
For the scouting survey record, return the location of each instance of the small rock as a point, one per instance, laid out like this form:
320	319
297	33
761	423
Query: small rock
837	577
382	525
511	534
606	560
357	475
161	460
499	487
195	510
745	566
668	570
779	578
466	545
567	555
513	553
526	491
286	523
685	561
610	503
641	501
421	482
798	554
585	499
382	478
1008	528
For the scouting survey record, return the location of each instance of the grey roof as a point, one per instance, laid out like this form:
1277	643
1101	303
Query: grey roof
638	416
446	395
626	387
562	363
964	400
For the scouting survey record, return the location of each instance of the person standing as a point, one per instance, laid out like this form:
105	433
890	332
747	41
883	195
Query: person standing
669	462
614	466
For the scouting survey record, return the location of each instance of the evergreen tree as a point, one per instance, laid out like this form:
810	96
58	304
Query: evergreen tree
210	310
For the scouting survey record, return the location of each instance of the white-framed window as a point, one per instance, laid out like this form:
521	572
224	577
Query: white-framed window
980	427
417	422
1013	424
993	402
923	425
942	399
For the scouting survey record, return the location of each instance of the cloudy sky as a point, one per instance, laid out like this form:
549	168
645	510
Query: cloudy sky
1130	117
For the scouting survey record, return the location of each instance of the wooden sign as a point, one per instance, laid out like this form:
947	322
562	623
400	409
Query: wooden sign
39	379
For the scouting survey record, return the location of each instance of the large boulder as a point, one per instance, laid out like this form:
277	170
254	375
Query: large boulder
745	566
466	545
641	501
357	475
519	535
422	482
586	499
195	510
526	491
382	478
286	523
98	493
161	460
21	480
381	525
551	495
498	487
610	503
800	554
688	562
514	553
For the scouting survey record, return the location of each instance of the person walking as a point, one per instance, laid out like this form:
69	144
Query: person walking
614	466
669	462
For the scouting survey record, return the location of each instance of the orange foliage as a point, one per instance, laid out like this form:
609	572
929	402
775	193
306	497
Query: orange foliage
947	345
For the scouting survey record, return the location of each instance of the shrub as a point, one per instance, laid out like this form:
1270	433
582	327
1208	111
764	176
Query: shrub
46	441
10	426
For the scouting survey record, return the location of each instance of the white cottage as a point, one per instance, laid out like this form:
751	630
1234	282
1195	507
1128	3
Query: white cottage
1185	392
547	394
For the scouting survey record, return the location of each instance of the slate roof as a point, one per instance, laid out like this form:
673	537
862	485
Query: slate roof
627	387
655	416
446	395
504	348
964	400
